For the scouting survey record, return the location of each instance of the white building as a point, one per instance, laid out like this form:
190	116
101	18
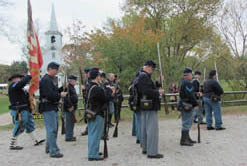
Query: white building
53	47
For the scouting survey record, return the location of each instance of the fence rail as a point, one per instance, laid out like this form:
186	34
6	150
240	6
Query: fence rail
223	102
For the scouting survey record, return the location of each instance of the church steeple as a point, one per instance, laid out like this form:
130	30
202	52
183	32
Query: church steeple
53	21
53	46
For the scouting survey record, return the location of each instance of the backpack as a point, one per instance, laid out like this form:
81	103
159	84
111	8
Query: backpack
133	92
133	97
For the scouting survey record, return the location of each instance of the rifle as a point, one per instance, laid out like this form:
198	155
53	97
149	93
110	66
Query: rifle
162	83
73	118
106	133
81	81
198	123
199	112
115	133
62	108
217	76
204	76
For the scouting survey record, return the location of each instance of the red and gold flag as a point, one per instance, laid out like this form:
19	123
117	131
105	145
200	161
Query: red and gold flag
35	59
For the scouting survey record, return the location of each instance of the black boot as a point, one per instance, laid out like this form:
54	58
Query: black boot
109	121
185	139
191	141
46	149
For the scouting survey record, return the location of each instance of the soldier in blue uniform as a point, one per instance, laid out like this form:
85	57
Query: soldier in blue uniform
110	83
211	98
70	105
196	88
187	103
20	110
97	99
49	100
84	87
149	104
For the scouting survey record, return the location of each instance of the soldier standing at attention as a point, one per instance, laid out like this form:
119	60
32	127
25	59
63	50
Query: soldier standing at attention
97	98
111	78
70	105
84	88
211	98
49	98
196	88
187	103
149	104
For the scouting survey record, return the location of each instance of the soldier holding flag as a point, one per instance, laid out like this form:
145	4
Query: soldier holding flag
20	110
22	102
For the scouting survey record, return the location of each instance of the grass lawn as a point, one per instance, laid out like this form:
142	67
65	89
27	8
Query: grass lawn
4	104
225	85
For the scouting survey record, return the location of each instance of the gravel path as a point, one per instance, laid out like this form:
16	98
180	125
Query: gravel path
218	148
5	119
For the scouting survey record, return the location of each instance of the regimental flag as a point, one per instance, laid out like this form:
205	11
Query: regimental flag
35	59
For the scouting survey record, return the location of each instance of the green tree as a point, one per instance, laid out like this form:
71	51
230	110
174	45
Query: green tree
4	75
18	67
127	47
183	25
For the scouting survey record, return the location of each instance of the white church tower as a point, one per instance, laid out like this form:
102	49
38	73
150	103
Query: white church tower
53	46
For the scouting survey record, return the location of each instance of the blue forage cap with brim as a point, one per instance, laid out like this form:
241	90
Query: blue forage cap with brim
53	65
212	73
150	63
86	69
197	72
72	77
17	75
187	71
94	72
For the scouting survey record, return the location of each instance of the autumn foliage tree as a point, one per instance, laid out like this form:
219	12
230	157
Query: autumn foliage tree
126	48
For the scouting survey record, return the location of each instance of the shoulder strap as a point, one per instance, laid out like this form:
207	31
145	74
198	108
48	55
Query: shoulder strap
89	93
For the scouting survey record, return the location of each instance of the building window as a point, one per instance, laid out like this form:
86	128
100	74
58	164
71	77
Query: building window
53	39
53	55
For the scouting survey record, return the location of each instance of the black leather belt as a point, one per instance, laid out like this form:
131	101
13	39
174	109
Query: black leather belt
18	107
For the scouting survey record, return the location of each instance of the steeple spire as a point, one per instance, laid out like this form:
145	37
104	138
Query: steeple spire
53	21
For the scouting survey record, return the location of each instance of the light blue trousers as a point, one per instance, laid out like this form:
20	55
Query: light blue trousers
211	107
51	125
187	120
138	125
95	131
69	125
27	122
150	132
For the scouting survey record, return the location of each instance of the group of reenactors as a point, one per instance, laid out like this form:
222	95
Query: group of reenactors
102	98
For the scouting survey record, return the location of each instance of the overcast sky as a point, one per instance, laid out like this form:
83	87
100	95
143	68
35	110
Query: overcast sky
93	13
